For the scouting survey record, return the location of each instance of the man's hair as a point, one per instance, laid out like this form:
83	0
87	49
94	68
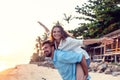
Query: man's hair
47	42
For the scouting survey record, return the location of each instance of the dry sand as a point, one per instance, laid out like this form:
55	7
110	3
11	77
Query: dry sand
33	72
102	76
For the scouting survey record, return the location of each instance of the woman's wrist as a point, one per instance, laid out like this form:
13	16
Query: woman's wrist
99	40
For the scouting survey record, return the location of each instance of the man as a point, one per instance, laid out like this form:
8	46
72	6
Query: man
66	61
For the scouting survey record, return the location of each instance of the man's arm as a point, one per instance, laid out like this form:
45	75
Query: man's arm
68	56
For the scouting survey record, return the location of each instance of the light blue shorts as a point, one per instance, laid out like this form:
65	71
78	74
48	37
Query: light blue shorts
88	62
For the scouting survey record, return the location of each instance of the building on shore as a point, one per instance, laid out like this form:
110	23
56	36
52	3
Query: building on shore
110	53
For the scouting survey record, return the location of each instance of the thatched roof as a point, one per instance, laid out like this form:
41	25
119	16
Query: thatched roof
113	34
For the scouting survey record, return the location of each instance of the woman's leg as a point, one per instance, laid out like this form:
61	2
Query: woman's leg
79	72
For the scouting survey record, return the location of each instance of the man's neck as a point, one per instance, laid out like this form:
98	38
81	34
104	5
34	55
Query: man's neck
52	55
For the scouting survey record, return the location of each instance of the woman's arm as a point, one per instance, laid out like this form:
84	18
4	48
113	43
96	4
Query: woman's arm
103	40
46	29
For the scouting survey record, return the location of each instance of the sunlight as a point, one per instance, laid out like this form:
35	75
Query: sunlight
2	67
4	50
5	47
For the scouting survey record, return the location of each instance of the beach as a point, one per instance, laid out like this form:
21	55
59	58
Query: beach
102	76
34	72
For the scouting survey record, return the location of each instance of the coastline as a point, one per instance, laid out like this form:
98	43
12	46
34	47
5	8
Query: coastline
34	72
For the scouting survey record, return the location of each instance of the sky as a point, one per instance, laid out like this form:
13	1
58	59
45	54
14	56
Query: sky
19	27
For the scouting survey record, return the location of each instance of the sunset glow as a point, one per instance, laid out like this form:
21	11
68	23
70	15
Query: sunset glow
2	66
4	50
19	27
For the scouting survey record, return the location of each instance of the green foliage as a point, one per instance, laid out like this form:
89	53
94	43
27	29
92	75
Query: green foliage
103	17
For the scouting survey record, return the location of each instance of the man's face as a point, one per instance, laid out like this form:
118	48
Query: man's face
47	49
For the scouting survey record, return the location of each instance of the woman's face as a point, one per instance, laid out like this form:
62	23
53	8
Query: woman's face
57	33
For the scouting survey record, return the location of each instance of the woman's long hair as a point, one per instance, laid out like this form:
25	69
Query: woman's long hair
63	32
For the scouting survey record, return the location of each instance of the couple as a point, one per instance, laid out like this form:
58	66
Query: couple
68	56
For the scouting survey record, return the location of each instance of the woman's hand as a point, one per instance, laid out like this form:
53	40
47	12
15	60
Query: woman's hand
106	40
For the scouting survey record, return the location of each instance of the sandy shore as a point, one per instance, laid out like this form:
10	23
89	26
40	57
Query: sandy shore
33	72
102	76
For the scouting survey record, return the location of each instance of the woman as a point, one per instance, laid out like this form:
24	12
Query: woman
79	71
64	42
67	36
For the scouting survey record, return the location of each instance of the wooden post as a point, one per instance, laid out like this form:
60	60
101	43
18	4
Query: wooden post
112	46
104	48
101	52
116	45
116	49
115	58
93	53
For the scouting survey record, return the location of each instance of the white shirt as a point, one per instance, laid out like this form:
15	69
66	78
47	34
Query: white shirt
71	44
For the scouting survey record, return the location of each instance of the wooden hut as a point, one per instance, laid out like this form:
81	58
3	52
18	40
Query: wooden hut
110	52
